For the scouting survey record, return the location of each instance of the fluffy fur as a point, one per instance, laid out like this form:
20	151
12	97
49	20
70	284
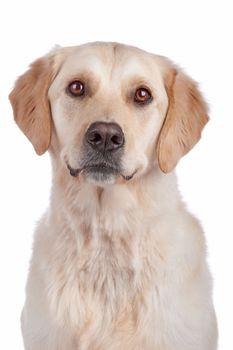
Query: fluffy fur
118	263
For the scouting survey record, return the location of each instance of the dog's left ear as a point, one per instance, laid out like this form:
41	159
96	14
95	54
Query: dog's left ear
30	103
185	119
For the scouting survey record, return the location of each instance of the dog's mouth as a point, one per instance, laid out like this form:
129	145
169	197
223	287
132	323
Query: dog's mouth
100	172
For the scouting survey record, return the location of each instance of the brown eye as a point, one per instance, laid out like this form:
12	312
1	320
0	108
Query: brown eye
142	96
76	88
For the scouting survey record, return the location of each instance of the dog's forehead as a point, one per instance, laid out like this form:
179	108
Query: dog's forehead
110	60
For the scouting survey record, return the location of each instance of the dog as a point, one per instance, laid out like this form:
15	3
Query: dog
118	262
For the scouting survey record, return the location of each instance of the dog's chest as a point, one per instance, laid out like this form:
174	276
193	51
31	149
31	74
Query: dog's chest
98	277
112	278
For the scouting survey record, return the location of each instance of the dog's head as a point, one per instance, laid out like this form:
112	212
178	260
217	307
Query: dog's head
110	111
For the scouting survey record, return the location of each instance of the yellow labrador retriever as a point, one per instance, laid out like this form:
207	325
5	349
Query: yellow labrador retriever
118	262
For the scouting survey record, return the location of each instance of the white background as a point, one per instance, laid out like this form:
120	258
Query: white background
198	35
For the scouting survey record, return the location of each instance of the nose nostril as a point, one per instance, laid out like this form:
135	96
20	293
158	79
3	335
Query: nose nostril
116	140
95	138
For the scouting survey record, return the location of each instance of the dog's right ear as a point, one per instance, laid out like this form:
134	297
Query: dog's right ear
30	104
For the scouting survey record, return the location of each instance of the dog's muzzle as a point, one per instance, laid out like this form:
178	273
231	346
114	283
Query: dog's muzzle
101	152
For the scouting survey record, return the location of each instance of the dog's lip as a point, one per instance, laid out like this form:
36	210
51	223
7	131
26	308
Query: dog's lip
76	172
129	177
73	172
93	168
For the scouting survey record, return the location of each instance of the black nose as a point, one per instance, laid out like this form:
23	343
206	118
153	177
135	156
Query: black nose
105	136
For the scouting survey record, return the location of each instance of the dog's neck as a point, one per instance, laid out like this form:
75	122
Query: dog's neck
112	208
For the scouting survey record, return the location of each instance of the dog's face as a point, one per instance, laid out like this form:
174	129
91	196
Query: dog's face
111	112
108	104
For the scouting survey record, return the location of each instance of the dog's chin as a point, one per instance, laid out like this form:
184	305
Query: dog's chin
100	175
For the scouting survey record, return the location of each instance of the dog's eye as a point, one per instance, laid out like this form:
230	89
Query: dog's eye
76	88
142	96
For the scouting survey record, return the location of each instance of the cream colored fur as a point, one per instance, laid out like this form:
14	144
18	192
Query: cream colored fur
119	264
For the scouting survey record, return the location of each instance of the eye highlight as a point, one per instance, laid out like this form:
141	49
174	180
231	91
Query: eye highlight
142	96
76	88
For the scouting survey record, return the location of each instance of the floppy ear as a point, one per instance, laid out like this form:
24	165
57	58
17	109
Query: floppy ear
30	103
185	119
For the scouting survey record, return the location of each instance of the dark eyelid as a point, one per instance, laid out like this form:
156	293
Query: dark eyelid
141	104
